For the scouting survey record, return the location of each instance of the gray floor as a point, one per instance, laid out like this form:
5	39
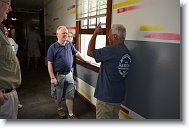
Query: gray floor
34	95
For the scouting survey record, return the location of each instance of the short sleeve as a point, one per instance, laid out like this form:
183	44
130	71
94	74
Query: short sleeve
74	50
50	54
103	54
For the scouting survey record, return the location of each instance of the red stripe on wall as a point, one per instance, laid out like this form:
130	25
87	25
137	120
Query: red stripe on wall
124	110
164	36
57	18
71	27
121	10
71	7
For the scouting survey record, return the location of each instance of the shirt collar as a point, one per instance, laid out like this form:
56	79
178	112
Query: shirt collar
59	45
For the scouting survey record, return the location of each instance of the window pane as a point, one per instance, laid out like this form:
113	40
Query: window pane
87	9
92	8
103	21
102	6
92	23
84	24
100	41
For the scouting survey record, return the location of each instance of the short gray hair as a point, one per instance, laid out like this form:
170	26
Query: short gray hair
60	27
119	30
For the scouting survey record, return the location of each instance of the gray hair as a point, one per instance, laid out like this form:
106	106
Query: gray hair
119	30
60	27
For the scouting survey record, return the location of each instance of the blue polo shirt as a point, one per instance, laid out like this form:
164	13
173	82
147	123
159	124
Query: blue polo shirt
61	56
115	64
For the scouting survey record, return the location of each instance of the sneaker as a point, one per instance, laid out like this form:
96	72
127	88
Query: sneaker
20	106
72	117
61	113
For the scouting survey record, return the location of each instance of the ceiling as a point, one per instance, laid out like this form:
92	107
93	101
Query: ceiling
29	5
26	10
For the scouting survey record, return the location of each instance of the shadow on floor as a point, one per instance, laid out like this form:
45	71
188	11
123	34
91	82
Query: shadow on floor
34	95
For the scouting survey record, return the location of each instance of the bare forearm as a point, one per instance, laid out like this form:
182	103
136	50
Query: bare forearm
91	45
92	42
53	80
78	55
50	69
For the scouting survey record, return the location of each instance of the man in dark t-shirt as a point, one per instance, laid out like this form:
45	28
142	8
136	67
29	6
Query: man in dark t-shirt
115	64
60	62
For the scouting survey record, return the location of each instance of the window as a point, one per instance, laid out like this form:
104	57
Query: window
100	42
89	14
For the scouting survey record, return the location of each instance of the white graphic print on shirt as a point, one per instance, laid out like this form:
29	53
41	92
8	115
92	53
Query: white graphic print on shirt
124	65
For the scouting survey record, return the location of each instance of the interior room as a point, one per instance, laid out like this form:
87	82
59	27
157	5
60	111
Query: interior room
153	37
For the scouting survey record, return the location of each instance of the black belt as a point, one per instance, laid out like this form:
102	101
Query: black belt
63	73
7	90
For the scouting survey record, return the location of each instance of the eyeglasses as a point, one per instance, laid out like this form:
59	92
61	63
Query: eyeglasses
8	3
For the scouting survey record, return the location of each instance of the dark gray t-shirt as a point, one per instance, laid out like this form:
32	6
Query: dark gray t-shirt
115	64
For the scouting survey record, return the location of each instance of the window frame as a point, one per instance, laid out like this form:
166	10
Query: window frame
80	31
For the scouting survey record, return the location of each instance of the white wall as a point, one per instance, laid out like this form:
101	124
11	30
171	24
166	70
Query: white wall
159	20
60	12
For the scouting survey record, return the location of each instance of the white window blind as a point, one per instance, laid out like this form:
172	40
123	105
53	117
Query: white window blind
88	9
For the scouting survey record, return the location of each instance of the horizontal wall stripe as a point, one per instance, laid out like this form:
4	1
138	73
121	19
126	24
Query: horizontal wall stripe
129	114
126	9
126	3
71	7
73	12
86	90
56	18
85	93
125	115
151	28
164	36
72	27
124	110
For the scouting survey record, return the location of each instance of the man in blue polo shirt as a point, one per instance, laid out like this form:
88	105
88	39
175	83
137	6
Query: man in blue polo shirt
60	61
115	64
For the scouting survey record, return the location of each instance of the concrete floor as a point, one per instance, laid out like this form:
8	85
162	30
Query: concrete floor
34	95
